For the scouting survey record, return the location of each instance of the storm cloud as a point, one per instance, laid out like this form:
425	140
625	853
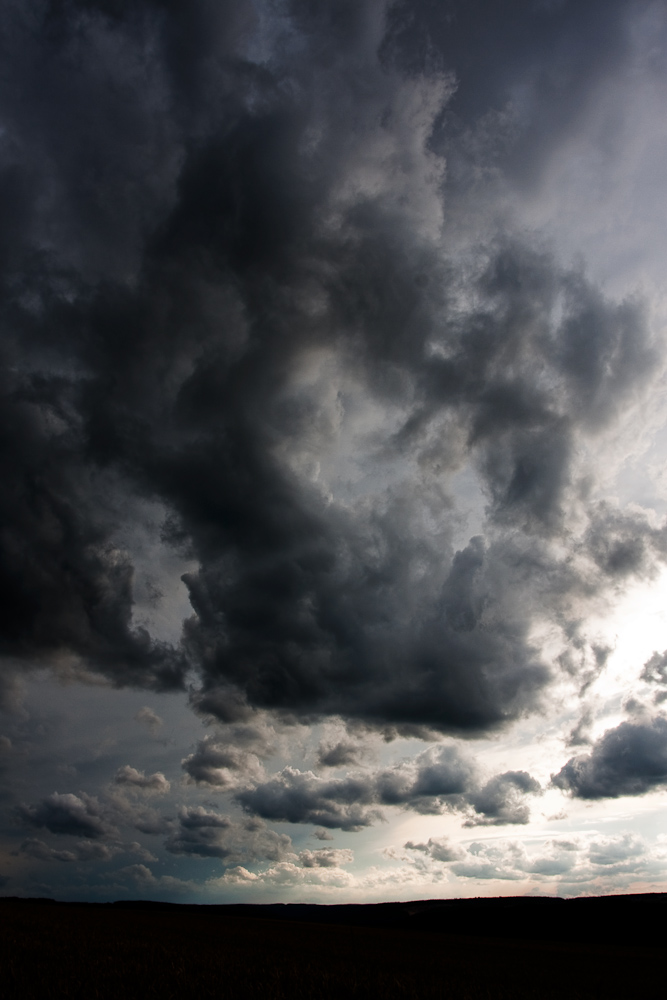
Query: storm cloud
319	413
628	760
207	834
273	277
66	814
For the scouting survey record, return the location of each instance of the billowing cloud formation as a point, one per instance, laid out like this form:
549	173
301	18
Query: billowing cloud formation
131	778
238	302
66	814
437	848
208	834
327	858
435	780
566	861
501	800
222	762
316	433
84	850
628	760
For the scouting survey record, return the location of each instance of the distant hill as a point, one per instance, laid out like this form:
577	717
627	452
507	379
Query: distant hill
633	920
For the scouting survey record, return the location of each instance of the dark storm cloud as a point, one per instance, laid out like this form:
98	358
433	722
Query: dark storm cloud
223	761
541	62
66	814
83	851
294	796
501	800
435	781
207	834
628	760
339	754
201	201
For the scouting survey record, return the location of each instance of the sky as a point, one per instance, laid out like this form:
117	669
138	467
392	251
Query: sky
333	434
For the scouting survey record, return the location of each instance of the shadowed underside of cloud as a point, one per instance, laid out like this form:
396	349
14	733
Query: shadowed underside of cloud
628	760
229	290
130	777
66	814
434	781
207	834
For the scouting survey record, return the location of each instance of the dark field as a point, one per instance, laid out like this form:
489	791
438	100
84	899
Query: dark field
96	950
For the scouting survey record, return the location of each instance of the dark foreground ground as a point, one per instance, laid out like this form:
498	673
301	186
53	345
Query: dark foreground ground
470	949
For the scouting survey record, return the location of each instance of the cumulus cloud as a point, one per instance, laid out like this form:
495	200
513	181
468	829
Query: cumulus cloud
655	672
130	777
565	862
151	719
628	760
269	337
84	850
438	848
66	814
305	414
340	754
502	799
224	761
436	780
287	874
331	857
208	834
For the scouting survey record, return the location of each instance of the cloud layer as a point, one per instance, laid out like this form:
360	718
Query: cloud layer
272	336
310	417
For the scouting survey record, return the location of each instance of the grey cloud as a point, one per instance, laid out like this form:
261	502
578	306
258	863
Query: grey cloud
616	851
501	800
530	66
333	857
150	719
624	543
321	834
570	861
301	797
131	778
118	808
655	672
580	733
66	814
486	861
628	760
206	834
195	216
438	848
339	754
85	851
655	669
436	780
222	762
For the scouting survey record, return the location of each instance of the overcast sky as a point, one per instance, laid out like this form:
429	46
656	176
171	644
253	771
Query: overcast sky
333	433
